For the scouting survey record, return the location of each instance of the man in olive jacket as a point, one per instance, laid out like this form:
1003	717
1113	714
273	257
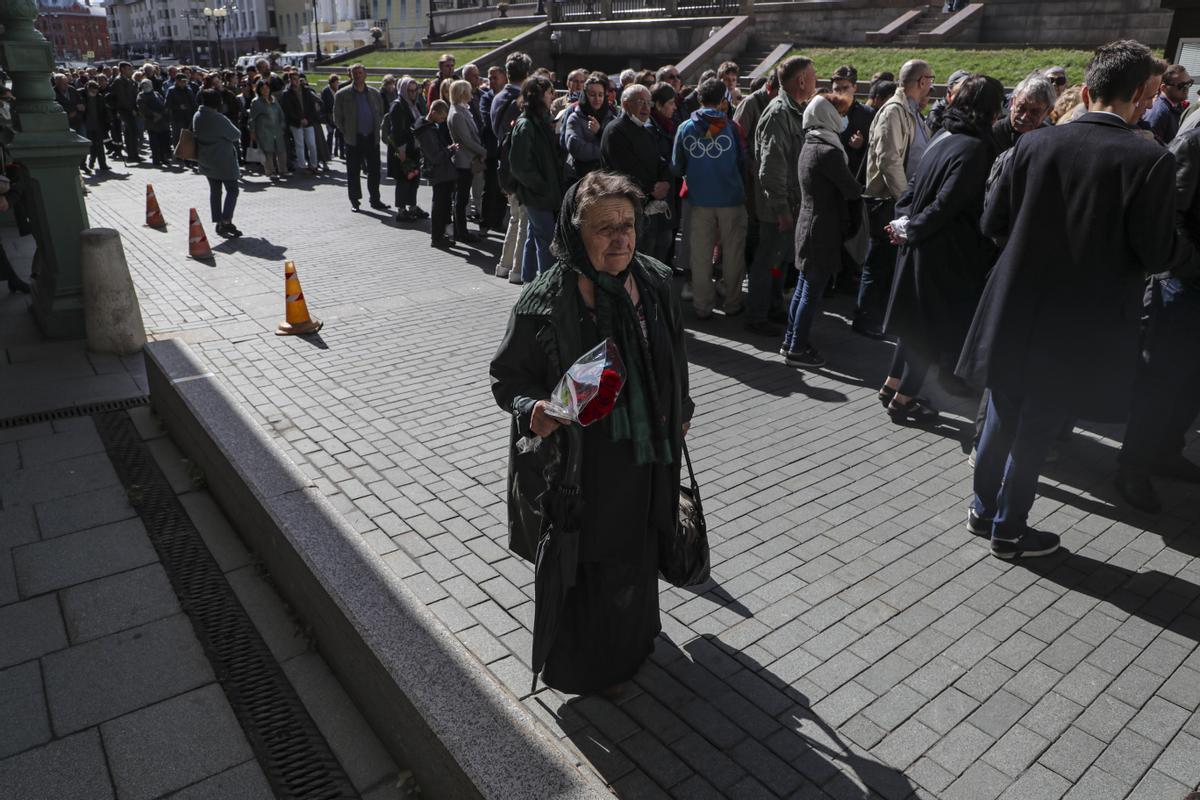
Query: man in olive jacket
358	113
777	142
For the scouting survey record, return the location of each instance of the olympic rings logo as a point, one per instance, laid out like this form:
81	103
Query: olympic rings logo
698	147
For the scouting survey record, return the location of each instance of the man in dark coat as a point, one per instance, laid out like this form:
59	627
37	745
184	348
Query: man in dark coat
333	137
1032	101
181	106
1166	399
1056	333
123	96
629	147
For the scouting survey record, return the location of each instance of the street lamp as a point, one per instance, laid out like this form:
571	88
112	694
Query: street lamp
219	16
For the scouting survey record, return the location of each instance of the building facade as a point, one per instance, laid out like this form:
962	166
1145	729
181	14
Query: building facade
77	32
181	29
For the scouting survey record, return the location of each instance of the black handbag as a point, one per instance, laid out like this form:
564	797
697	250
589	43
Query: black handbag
683	558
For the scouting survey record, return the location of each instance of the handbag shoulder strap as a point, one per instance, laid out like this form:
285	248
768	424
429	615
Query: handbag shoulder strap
687	458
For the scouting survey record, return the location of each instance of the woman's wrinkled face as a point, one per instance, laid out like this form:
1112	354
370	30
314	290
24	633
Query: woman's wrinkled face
609	230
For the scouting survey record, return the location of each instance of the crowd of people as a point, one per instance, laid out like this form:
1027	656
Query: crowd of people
768	204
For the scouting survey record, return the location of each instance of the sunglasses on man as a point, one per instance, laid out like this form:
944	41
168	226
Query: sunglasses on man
1185	85
1058	80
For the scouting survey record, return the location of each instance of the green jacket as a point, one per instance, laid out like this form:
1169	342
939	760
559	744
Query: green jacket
266	123
777	142
542	341
537	168
217	142
345	113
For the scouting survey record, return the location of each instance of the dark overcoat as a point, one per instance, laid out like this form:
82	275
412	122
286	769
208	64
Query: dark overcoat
402	136
541	343
1089	210
942	268
827	187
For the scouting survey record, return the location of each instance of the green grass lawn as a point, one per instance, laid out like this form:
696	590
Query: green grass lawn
500	33
1009	66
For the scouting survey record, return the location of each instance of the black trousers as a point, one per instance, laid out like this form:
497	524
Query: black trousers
363	153
337	145
495	204
462	199
406	192
1166	398
443	194
96	153
910	367
129	129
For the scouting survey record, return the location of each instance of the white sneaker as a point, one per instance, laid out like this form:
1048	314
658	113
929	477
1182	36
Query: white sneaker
502	272
514	277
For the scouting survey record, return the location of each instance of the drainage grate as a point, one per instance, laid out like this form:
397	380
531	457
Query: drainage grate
292	752
74	411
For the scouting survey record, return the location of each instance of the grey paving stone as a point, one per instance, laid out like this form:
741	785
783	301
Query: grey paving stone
1038	783
1156	785
266	609
23	709
1096	784
72	768
1129	755
894	707
174	743
1181	759
343	726
243	782
56	447
960	748
998	714
1105	717
947	710
87	510
105	678
1159	720
1072	754
30	629
906	744
980	782
125	600
82	556
1016	750
1182	688
59	479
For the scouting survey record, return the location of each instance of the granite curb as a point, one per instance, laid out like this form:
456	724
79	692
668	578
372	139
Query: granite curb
428	698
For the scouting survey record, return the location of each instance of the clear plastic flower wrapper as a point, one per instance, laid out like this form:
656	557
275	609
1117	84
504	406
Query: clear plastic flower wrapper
589	390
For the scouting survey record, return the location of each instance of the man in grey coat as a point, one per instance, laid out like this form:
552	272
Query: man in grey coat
358	113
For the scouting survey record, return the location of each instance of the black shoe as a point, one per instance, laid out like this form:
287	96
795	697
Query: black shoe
419	213
231	230
404	216
17	285
441	242
765	328
1138	491
223	230
806	356
886	393
1180	469
466	237
1031	545
869	331
916	411
977	525
379	205
354	205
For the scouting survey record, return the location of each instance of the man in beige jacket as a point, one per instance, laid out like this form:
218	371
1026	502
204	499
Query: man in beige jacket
898	140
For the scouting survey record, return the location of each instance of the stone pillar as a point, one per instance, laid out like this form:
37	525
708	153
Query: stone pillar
47	153
111	313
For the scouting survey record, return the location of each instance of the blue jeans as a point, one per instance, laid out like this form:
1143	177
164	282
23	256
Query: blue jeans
537	259
222	213
1016	436
806	302
771	257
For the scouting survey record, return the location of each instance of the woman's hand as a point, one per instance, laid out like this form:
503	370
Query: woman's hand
857	140
541	423
593	124
895	239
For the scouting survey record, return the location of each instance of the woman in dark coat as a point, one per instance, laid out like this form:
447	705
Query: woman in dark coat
403	155
599	287
824	221
944	256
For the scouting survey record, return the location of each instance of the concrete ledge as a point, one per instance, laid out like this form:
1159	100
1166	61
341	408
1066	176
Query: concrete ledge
770	61
436	708
964	24
725	44
896	27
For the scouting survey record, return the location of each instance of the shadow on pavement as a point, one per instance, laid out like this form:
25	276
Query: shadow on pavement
709	709
1153	596
253	246
710	590
772	377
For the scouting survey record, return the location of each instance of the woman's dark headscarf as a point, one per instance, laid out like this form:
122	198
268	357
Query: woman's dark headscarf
638	419
977	101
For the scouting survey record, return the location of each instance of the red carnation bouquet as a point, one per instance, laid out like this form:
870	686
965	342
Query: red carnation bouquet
589	390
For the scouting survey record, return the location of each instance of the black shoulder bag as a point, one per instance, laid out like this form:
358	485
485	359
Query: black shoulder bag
683	558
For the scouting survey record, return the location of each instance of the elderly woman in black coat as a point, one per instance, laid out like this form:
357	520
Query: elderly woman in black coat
824	221
944	256
599	288
403	155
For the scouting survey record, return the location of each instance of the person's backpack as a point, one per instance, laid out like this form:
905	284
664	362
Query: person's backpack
504	167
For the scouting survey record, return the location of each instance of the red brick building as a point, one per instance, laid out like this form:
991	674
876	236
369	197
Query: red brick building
74	30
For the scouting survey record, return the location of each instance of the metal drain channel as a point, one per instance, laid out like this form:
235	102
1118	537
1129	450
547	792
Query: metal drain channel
291	751
88	410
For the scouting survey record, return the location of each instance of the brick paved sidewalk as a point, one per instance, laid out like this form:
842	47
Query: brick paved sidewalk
856	642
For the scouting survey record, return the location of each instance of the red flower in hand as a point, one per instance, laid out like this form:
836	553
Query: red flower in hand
602	404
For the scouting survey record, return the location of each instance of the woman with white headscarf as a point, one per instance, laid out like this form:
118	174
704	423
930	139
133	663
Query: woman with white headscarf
825	220
404	158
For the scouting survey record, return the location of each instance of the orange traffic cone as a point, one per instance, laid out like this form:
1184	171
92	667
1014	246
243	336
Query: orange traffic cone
154	216
197	242
296	318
